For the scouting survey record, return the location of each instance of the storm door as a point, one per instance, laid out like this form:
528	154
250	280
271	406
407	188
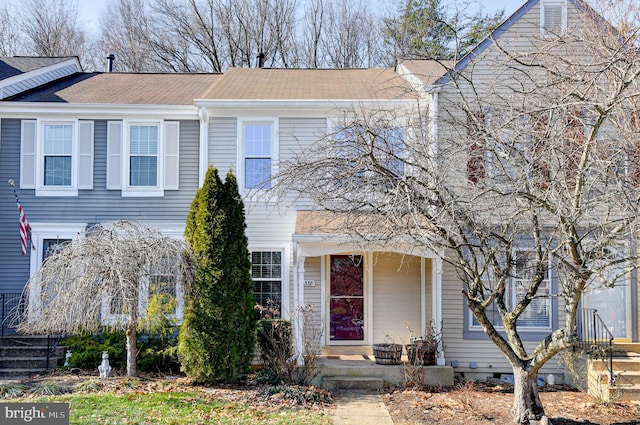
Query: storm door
346	298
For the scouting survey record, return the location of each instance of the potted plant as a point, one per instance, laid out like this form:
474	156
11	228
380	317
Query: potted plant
387	353
423	350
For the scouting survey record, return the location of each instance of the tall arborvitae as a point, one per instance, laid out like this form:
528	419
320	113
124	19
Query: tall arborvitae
216	337
239	301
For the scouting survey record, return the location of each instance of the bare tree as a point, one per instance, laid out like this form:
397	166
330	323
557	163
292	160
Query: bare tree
125	32
351	38
51	28
10	40
314	22
533	178
103	280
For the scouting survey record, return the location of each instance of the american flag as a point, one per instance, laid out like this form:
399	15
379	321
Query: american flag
24	224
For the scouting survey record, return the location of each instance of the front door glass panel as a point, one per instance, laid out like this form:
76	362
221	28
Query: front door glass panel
346	300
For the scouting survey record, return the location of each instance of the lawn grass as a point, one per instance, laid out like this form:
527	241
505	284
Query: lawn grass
172	408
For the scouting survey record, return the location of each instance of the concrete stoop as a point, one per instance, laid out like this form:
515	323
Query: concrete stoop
367	383
352	372
626	367
23	355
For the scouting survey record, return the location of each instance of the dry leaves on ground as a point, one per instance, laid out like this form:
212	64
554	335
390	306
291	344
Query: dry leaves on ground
487	403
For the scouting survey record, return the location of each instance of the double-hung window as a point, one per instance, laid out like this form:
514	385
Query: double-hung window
537	315
259	153
143	155
56	156
266	273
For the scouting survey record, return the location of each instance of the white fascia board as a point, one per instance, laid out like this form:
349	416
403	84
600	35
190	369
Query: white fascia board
299	104
96	111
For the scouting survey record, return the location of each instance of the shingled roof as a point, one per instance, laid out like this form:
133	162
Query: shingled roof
309	84
124	89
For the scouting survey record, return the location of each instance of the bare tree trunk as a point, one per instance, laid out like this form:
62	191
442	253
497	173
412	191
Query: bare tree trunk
131	349
527	407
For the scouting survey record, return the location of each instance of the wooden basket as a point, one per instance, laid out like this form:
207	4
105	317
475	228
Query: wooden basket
422	354
387	353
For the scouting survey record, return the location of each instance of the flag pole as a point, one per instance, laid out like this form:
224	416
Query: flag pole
25	228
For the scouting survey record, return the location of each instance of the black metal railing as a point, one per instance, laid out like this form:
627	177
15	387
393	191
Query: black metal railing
11	309
595	338
52	345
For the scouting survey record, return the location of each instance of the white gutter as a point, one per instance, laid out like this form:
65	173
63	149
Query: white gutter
95	111
299	103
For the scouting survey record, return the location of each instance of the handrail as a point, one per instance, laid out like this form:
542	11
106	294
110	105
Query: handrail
595	337
11	307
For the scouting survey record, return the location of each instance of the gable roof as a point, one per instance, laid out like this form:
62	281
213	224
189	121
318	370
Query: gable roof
309	84
124	89
503	27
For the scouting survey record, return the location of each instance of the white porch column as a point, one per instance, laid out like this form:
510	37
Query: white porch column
436	303
298	307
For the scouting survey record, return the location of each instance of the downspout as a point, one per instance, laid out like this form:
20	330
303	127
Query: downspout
204	145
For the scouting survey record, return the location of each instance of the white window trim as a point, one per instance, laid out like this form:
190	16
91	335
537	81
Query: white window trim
511	293
563	24
284	278
275	151
40	232
142	191
41	189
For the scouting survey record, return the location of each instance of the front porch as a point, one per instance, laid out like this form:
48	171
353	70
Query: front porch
355	367
360	297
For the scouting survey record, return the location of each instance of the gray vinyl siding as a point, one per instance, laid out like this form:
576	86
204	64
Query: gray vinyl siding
396	297
90	206
14	268
223	142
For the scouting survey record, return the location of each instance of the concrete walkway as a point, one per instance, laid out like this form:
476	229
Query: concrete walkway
359	408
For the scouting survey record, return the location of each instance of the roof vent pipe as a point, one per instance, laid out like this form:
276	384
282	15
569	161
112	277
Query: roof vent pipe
260	60
111	58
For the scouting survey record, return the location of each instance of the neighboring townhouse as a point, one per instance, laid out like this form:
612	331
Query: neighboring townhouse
93	147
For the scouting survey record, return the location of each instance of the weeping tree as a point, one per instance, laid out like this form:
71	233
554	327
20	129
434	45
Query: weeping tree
217	335
530	191
103	280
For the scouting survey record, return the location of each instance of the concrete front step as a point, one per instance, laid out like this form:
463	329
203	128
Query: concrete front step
632	347
622	378
23	341
623	393
36	351
27	362
620	364
347	350
352	383
24	355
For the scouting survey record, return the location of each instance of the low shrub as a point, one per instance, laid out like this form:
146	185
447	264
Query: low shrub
155	354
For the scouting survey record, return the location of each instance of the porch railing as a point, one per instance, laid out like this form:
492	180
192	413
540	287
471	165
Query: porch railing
11	308
595	338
